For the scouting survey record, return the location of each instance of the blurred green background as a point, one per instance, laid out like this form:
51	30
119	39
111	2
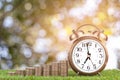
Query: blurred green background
34	32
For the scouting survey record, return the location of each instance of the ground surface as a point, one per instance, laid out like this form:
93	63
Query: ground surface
105	75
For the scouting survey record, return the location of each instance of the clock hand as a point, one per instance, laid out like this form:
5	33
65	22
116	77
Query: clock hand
86	59
88	49
88	54
91	62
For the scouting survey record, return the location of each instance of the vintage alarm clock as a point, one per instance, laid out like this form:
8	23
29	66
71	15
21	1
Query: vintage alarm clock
88	55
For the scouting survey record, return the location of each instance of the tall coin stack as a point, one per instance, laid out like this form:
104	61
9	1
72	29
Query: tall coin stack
46	70
63	68
38	70
55	69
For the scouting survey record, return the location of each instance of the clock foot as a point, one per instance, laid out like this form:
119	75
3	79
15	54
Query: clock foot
77	73
99	74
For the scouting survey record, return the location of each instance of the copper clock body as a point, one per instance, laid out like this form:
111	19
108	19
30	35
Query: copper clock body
88	56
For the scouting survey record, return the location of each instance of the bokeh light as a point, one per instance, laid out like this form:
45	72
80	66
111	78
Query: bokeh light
8	22
1	5
35	32
8	7
28	6
42	45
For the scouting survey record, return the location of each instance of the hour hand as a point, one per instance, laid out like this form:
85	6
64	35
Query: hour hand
86	59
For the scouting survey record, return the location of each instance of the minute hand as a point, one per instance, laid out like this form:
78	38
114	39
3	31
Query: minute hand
88	49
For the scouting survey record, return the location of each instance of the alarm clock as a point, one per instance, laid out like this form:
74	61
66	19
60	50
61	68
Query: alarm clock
88	54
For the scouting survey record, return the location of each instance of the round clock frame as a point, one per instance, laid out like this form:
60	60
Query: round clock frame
87	53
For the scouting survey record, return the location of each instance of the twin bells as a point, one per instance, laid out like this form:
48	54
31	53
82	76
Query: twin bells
96	32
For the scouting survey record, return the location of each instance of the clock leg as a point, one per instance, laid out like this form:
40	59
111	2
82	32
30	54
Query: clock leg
78	73
99	73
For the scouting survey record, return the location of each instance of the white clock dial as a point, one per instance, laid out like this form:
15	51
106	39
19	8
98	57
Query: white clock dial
88	56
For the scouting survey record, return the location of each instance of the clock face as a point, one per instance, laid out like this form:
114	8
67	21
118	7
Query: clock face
88	56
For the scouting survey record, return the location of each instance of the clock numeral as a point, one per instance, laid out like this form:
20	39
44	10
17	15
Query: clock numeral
95	45
100	62
88	67
78	61
99	49
77	54
82	65
100	56
83	44
79	49
94	66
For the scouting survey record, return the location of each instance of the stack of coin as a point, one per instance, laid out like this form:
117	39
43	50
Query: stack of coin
12	73
55	69
20	72
63	71
46	70
30	71
38	70
17	72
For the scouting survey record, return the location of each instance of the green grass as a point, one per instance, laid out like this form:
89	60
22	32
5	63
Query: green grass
105	75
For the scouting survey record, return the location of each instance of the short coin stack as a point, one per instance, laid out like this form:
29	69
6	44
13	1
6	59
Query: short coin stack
20	72
11	73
